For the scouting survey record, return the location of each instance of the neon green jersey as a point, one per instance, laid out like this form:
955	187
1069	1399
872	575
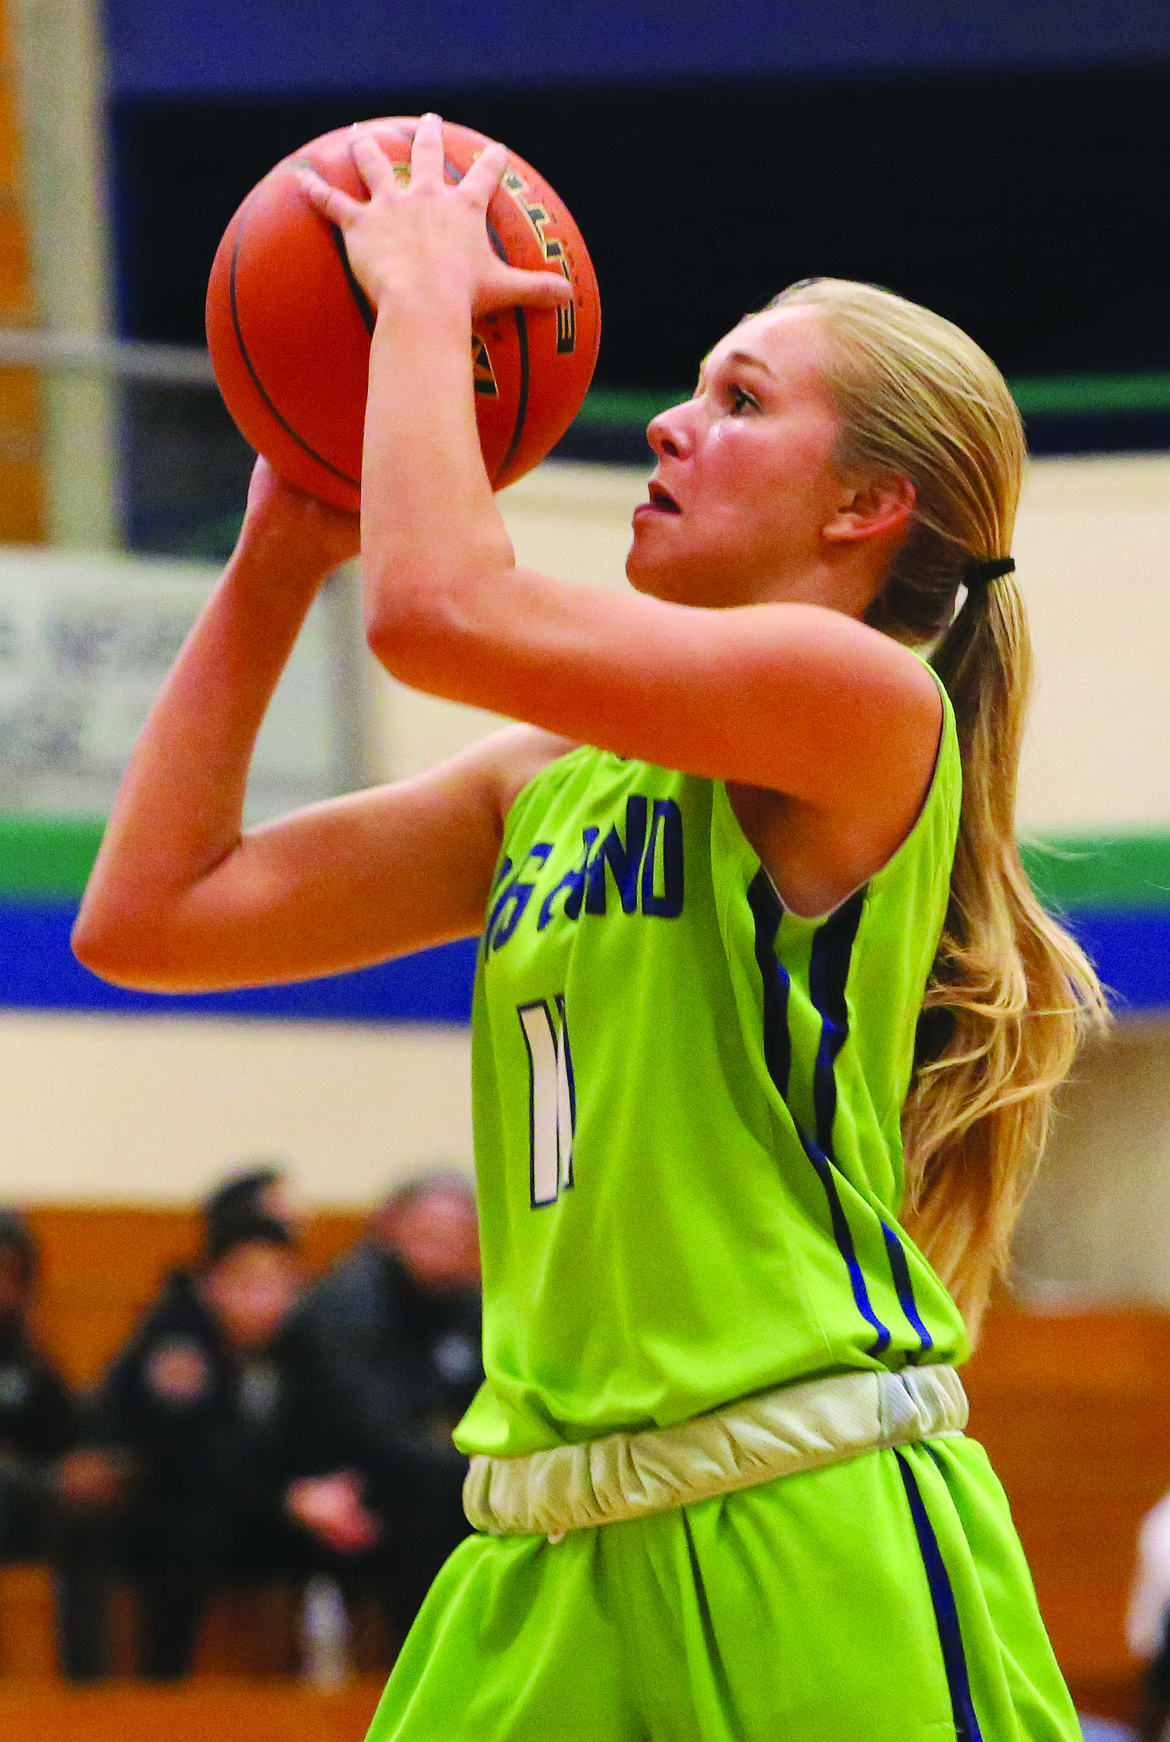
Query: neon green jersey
687	1109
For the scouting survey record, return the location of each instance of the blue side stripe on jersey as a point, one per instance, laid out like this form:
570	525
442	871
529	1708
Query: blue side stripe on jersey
946	1613
767	911
904	1284
828	975
843	1234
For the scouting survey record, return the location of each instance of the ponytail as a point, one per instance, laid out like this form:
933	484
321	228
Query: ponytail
1011	994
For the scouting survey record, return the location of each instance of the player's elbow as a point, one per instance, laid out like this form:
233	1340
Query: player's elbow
424	627
119	947
101	947
402	624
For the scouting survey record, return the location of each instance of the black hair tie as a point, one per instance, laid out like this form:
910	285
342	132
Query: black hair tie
982	570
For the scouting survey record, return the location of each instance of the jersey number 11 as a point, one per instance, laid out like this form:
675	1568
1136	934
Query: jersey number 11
552	1101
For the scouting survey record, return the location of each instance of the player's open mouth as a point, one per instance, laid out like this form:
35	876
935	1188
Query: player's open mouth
661	500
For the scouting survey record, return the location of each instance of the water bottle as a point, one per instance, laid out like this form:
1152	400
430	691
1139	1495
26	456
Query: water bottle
324	1635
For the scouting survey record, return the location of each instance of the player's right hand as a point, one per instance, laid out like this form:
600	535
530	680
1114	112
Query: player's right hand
429	236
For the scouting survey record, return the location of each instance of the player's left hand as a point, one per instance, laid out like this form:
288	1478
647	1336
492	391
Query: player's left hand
285	520
430	234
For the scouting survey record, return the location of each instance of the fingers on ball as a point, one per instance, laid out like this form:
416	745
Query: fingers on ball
543	289
326	199
426	151
371	163
486	172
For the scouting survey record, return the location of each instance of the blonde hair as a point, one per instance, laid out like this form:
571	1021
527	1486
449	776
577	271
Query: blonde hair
1011	994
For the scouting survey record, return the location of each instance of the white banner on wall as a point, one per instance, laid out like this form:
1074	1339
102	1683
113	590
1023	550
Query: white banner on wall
85	642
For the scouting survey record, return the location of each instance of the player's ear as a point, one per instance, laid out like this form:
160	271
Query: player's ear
872	507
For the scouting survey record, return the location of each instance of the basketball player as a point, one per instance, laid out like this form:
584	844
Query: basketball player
766	1021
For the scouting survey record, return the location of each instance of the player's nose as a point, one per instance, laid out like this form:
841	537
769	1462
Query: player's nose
670	434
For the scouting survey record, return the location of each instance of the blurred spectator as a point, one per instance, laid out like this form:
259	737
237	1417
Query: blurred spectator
37	1415
259	1189
392	1337
182	1482
1148	1621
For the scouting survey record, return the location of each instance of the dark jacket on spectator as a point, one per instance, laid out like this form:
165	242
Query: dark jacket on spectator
201	1425
396	1365
37	1413
208	1437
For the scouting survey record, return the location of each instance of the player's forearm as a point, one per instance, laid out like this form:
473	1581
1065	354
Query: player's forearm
431	531
179	810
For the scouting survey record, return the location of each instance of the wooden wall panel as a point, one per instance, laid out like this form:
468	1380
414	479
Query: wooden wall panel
1074	1410
191	1712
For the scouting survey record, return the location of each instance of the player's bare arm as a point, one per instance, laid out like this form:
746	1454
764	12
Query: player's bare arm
182	898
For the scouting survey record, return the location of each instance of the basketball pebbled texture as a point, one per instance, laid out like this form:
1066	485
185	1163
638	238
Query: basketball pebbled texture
289	327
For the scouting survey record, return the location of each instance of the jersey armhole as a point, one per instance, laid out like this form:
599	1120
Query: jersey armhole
946	755
525	794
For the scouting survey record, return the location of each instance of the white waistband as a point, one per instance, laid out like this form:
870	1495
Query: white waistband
797	1427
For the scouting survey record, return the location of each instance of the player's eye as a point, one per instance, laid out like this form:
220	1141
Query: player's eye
740	400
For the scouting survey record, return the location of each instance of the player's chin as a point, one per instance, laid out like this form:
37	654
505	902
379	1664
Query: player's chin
672	582
649	568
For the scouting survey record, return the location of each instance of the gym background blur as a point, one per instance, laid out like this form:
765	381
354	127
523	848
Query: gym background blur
1002	163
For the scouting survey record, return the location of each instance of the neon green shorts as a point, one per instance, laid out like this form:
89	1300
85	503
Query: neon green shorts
884	1599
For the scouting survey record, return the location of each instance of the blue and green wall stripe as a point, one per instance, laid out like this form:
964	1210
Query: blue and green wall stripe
44	863
1114	890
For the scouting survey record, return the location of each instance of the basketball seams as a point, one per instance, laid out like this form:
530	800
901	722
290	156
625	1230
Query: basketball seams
521	417
361	300
521	396
334	471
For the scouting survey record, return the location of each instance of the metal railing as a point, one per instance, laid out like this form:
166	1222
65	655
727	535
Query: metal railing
123	359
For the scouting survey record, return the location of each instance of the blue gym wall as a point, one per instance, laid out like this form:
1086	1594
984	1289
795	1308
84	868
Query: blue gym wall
176	47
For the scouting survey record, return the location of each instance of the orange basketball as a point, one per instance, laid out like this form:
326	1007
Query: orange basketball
289	327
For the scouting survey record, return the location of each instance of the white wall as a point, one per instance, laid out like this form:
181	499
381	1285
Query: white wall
143	1108
137	1108
1097	1227
1093	548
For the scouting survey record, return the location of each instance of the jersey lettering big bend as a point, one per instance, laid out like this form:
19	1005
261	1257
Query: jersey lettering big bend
687	1110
